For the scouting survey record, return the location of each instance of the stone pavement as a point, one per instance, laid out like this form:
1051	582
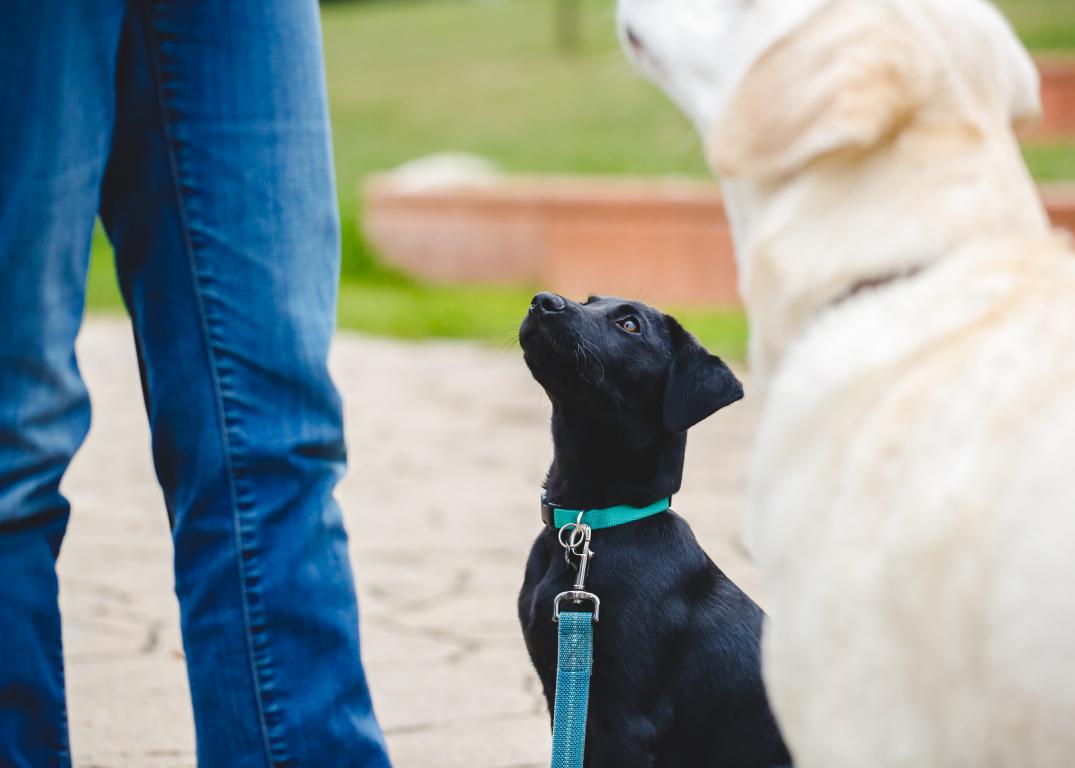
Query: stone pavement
449	443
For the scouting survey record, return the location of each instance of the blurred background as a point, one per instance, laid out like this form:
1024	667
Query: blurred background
539	88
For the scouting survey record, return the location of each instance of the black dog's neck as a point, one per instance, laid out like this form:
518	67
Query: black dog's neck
600	463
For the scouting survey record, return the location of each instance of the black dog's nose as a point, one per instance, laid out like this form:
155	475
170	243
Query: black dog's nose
546	303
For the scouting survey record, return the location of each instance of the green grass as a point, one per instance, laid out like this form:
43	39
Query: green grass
409	78
1044	25
415	310
411	310
1051	161
102	292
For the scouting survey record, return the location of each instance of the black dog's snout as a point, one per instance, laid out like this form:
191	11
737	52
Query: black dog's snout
546	303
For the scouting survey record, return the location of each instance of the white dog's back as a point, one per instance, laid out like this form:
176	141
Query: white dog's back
915	521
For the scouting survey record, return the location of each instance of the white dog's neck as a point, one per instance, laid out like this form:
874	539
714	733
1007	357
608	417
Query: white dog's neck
927	194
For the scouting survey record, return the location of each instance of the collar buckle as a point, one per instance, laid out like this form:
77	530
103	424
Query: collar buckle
548	512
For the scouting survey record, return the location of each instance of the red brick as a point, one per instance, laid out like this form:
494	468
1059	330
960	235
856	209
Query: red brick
664	241
1057	97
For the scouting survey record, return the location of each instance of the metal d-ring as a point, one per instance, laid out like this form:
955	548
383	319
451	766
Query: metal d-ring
560	535
577	596
578	533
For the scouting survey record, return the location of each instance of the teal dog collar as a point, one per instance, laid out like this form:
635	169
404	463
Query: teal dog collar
557	517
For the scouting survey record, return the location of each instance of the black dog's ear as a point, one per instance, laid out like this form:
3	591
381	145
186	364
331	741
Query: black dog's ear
699	384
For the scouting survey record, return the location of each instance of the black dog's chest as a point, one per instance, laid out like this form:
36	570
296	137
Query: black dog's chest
676	670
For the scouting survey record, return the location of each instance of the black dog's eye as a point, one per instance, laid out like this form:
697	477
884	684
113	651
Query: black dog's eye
630	324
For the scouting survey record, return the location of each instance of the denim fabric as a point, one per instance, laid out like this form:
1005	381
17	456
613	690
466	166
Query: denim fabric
198	131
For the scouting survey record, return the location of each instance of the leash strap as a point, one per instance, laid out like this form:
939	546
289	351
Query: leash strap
574	662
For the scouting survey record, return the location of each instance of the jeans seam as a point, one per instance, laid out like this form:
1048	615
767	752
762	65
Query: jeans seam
214	366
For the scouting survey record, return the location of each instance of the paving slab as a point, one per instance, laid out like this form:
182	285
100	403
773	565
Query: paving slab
449	442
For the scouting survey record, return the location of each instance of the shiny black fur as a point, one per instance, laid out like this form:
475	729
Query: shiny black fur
676	677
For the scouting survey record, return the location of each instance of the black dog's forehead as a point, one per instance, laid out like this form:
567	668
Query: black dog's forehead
616	304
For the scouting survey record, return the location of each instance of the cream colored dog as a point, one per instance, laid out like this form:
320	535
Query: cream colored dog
912	501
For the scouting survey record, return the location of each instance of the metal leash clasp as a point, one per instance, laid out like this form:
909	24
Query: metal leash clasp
578	545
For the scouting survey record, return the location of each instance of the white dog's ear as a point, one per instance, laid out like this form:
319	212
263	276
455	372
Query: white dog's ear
990	59
844	80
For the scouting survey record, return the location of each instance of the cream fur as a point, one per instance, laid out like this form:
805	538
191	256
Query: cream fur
912	501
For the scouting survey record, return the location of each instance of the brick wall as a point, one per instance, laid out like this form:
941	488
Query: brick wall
662	241
1057	97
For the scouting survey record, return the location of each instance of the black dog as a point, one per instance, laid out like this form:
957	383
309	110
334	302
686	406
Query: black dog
677	675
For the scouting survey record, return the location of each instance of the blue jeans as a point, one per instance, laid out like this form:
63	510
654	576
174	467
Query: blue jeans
198	132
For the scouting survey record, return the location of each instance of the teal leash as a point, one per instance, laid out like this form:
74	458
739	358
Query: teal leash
574	637
574	661
574	654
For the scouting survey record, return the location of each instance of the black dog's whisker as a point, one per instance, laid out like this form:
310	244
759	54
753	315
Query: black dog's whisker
589	345
580	361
